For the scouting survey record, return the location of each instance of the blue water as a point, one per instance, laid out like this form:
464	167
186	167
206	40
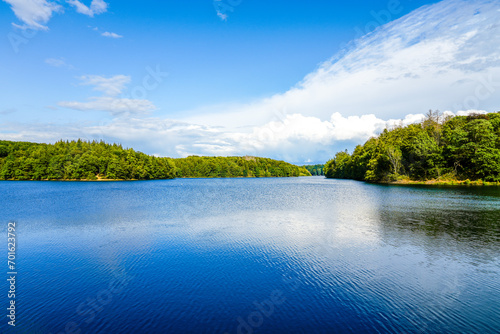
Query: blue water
300	255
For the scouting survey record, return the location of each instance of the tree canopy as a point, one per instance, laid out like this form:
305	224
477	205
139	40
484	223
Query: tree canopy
81	160
195	166
462	147
315	169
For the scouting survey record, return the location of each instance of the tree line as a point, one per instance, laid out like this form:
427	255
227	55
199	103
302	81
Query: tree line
82	160
195	166
315	170
438	148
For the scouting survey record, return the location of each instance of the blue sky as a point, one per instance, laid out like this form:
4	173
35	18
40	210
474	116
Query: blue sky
288	80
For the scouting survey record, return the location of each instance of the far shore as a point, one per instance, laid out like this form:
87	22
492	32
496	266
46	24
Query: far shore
75	180
175	178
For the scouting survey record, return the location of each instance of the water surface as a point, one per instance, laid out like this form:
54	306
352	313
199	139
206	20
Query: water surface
299	255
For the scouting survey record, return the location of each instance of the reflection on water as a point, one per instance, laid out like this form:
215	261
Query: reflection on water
305	255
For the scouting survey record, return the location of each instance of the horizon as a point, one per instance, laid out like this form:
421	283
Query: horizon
441	116
283	81
127	148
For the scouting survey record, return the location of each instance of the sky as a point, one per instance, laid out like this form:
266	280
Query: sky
293	81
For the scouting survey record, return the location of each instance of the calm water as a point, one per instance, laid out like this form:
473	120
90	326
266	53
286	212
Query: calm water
302	255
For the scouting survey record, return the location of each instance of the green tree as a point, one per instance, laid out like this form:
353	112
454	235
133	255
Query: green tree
463	146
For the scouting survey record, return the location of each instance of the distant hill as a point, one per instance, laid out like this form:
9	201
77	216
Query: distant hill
195	166
81	160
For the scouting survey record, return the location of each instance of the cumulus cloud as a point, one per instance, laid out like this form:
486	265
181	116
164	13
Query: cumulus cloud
111	87
294	138
111	35
33	13
96	7
301	138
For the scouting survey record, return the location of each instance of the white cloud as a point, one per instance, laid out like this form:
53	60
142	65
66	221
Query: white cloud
470	112
111	35
36	13
295	138
106	33
55	62
223	17
96	7
300	138
33	13
115	106
58	62
111	87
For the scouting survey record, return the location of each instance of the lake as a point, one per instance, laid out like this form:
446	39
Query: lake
290	255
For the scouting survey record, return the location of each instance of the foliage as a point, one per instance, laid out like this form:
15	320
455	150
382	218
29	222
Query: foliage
315	169
460	148
81	160
195	166
77	160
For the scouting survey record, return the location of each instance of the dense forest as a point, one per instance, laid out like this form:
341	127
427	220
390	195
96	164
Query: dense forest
440	148
78	160
81	160
194	166
315	169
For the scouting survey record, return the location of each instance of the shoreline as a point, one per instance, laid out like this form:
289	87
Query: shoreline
477	183
133	180
74	180
453	183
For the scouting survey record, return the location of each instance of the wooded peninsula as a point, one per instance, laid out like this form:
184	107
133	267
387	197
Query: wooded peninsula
443	150
82	160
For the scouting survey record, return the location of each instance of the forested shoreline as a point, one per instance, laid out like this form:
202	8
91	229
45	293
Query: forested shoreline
195	166
315	170
81	160
461	149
